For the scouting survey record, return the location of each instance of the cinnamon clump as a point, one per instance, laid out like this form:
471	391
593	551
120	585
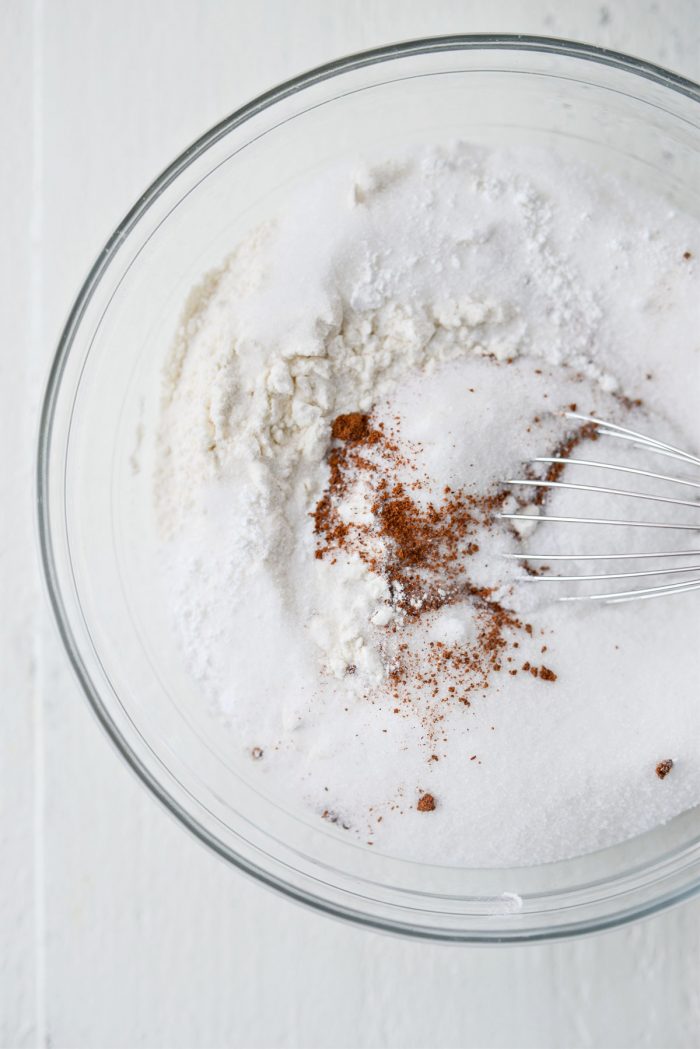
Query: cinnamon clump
663	768
351	427
542	672
426	803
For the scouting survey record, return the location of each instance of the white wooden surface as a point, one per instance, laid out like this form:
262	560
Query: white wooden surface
116	928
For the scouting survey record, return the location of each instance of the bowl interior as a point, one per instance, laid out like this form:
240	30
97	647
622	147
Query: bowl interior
98	525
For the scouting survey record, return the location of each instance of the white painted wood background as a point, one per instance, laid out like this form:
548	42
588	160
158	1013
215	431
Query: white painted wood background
116	928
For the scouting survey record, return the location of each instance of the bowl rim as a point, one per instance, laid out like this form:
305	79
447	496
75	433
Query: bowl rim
429	45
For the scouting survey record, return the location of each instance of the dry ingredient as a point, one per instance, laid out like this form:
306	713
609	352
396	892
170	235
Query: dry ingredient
343	400
422	554
426	803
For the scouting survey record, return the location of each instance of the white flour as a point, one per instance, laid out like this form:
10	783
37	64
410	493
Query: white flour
467	293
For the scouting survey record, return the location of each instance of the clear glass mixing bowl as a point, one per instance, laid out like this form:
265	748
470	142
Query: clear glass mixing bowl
95	507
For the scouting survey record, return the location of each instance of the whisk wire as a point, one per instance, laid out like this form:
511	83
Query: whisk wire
600	521
615	466
607	575
627	595
606	428
607	491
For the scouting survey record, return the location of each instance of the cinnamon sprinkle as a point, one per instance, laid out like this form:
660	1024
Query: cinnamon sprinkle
351	427
563	451
421	549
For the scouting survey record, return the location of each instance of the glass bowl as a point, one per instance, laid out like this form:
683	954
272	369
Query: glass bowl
96	519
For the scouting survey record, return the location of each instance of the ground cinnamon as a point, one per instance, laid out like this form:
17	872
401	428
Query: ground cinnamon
351	427
422	548
563	451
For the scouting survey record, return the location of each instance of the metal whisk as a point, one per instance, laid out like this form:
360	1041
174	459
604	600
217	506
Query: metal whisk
671	563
